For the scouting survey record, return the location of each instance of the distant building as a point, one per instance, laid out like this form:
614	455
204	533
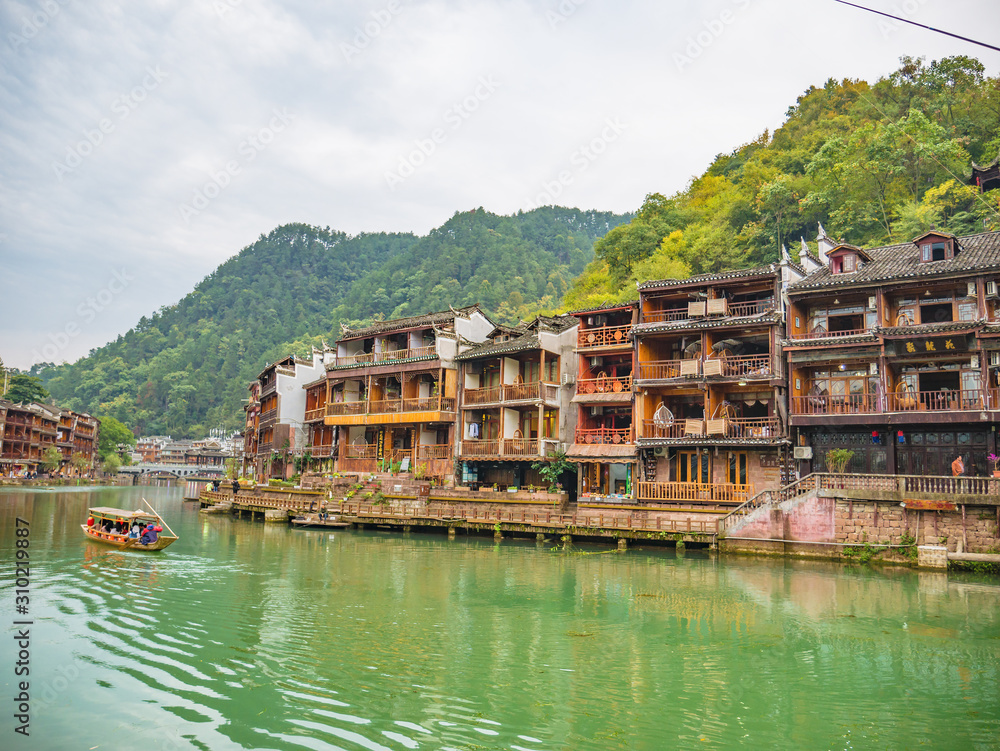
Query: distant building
27	431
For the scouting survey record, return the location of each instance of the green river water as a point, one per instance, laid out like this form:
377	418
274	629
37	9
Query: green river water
251	636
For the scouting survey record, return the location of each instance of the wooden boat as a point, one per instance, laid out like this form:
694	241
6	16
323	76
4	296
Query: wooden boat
103	514
311	521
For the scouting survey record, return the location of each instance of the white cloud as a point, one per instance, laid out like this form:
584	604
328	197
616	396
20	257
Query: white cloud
563	68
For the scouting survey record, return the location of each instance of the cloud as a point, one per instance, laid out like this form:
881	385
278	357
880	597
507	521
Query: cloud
146	105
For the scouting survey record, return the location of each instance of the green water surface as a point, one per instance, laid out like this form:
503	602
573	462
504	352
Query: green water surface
251	636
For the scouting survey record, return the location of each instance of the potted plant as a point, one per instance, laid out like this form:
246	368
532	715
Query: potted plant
996	460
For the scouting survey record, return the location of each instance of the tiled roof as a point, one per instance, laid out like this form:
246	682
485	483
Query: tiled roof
704	441
773	316
598	450
830	339
605	307
521	344
428	319
923	329
902	263
555	324
771	268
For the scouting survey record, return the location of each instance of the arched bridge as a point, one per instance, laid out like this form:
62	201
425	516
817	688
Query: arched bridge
175	470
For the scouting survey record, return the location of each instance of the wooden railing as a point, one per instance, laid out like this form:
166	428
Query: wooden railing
386	356
521	447
315	414
938	401
320	451
747	366
603	336
483	396
520	391
434	451
806	335
695	491
390	406
661	369
480	448
751	308
904	485
347	408
270	414
491	516
604	385
664	316
651	430
840	404
361	451
604	435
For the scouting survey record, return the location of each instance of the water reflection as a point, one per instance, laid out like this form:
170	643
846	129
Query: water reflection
246	635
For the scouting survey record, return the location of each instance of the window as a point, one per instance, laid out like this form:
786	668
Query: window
935	251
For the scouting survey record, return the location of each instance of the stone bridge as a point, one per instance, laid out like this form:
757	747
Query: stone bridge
174	470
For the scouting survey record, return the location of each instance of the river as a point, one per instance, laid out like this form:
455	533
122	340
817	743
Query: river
250	636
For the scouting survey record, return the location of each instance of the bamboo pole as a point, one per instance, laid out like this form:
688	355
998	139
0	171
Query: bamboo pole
161	519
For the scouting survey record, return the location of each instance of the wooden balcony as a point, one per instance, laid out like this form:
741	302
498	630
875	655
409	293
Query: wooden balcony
739	428
744	366
271	414
695	492
434	451
603	435
806	336
392	406
604	336
661	370
666	316
752	308
320	452
604	385
370	358
480	448
840	404
312	415
506	448
361	451
512	392
942	400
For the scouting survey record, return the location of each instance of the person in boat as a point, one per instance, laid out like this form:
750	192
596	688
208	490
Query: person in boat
134	532
149	535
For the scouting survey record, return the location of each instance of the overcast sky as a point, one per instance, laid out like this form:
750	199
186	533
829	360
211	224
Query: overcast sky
142	144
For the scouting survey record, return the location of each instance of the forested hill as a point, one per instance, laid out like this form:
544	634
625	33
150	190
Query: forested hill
874	163
184	369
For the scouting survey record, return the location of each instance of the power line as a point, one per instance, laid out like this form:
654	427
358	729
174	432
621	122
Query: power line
921	25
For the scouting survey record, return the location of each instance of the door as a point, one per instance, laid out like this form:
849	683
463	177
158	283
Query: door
693	466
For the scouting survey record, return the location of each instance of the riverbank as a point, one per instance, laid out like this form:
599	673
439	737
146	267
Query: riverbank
58	482
840	518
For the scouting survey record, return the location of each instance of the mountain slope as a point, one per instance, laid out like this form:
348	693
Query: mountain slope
184	369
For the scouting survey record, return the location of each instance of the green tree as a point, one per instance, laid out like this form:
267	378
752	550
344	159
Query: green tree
111	464
25	388
51	458
114	438
81	463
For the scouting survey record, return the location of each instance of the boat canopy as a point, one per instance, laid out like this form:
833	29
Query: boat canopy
119	513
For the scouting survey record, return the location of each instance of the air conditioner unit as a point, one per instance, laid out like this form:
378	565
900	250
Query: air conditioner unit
873	368
994	358
802	452
596	362
660	451
567	379
594	411
970	289
871	303
991	289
